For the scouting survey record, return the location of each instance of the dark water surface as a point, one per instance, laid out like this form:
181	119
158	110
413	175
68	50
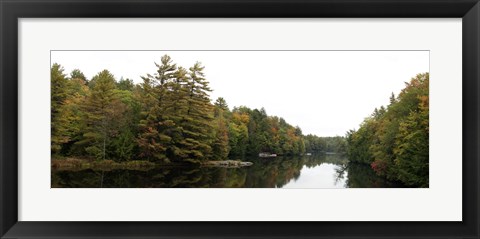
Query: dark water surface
316	171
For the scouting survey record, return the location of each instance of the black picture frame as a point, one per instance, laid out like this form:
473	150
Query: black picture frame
11	11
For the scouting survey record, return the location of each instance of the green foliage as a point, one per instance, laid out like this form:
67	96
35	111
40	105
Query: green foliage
394	141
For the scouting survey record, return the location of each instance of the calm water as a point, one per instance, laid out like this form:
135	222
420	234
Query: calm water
317	171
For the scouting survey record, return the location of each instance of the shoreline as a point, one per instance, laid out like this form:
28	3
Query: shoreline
79	164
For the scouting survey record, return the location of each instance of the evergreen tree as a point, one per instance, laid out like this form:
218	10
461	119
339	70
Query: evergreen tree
392	99
221	106
176	111
196	124
102	109
123	144
154	127
57	100
77	74
220	148
125	84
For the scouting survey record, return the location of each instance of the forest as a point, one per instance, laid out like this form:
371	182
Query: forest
394	140
169	117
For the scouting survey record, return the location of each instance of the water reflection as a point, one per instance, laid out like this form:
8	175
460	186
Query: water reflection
316	171
362	176
321	176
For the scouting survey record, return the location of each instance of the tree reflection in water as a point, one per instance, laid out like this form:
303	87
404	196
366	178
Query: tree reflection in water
362	176
264	173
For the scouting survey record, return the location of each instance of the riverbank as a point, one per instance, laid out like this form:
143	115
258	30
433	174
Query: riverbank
77	164
227	164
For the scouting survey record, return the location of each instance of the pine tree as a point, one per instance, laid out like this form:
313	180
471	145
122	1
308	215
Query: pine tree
58	96
101	108
125	84
77	74
123	145
155	126
220	147
176	109
221	106
196	123
392	99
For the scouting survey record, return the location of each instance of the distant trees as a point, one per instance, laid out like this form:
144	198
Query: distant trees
315	144
253	131
394	140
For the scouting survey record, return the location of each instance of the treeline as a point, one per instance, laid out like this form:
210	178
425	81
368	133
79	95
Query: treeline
252	131
167	117
395	140
315	144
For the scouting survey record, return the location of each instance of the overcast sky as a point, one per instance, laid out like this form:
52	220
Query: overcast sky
323	92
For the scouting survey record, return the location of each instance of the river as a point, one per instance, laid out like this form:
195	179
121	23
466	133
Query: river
315	171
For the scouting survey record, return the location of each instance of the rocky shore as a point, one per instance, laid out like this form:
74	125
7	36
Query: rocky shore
227	164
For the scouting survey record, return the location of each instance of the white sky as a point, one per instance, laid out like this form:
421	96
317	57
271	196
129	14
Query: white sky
323	92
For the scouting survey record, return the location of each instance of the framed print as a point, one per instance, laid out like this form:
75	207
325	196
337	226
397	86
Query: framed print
265	119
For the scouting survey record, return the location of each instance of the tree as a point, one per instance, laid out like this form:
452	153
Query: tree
153	138
57	100
220	147
392	99
102	108
199	113
72	113
221	106
122	145
77	74
125	84
176	111
238	133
